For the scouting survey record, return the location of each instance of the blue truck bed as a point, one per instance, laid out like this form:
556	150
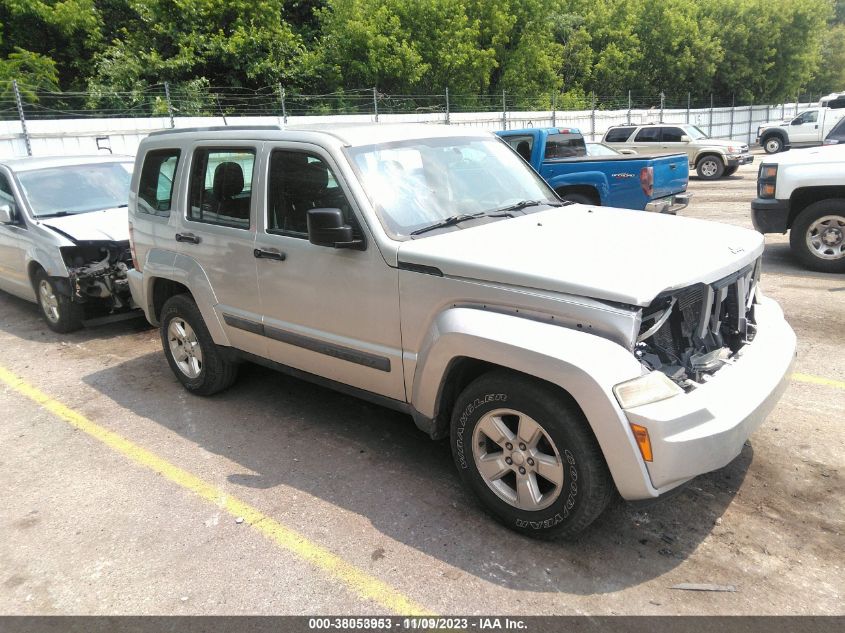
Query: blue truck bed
651	183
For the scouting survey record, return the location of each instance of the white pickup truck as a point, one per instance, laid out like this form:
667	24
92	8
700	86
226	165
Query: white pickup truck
807	129
804	192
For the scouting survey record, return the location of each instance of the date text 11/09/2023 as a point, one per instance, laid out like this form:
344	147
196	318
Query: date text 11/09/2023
417	623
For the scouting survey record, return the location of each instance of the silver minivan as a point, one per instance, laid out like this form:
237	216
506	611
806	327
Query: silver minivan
64	241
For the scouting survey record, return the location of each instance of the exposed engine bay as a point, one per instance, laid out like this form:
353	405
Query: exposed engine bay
97	272
690	334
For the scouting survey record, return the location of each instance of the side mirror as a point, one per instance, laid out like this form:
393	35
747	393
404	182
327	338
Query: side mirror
326	228
7	213
685	138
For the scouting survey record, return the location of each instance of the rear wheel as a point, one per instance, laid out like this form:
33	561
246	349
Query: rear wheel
192	354
59	311
817	236
527	453
710	168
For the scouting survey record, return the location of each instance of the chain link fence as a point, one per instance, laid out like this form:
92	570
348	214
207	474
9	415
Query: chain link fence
36	121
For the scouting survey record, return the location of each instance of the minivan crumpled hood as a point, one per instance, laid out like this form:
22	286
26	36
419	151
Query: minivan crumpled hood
109	225
604	253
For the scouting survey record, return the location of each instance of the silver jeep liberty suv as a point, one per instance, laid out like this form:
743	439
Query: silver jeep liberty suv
567	351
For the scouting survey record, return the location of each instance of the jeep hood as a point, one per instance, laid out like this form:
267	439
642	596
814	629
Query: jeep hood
599	252
109	225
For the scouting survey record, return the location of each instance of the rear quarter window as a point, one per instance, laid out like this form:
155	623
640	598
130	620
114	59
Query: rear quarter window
155	187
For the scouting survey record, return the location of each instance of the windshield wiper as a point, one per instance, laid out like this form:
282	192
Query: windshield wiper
452	220
56	214
523	204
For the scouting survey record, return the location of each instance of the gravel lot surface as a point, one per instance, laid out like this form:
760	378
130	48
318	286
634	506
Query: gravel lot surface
92	530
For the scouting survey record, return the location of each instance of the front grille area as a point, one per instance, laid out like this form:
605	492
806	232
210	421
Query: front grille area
694	331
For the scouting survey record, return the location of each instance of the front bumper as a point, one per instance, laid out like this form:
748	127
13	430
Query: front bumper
705	429
769	215
735	160
670	204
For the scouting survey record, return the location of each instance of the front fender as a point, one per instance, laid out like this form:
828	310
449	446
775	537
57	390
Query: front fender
583	364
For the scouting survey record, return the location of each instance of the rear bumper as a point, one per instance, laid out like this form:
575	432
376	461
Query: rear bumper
770	215
705	429
670	204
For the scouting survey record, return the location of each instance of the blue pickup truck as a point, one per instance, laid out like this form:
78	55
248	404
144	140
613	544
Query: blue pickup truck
559	155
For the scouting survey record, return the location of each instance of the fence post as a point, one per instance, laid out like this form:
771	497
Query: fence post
447	107
593	117
750	120
504	112
219	107
733	110
375	103
768	113
689	97
282	99
19	103
710	123
169	103
662	103
554	109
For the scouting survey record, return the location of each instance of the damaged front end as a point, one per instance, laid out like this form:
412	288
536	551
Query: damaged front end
97	273
689	334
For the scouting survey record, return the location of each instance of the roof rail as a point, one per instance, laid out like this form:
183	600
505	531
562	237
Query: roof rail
217	128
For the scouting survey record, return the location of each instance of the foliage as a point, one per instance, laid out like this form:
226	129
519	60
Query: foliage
532	49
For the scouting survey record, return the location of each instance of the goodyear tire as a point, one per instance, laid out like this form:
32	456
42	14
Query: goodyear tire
528	454
196	360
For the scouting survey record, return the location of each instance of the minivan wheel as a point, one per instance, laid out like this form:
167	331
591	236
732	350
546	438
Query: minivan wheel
710	168
817	236
192	354
526	451
59	311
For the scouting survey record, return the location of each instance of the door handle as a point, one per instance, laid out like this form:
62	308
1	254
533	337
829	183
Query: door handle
274	254
190	238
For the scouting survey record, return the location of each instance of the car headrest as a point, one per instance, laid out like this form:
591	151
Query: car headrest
228	180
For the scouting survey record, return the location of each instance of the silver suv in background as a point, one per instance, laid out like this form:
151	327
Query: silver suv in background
64	241
431	270
711	158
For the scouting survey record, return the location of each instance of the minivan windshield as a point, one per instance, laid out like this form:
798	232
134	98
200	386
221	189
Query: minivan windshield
72	189
418	183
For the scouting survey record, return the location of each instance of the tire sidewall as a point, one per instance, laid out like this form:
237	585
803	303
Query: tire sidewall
568	508
180	307
766	142
798	235
720	167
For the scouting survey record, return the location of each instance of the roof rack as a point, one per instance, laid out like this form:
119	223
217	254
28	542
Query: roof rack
218	128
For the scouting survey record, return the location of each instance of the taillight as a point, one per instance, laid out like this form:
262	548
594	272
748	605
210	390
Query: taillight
647	180
135	263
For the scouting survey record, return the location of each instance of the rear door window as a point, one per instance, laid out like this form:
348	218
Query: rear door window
618	134
648	135
221	186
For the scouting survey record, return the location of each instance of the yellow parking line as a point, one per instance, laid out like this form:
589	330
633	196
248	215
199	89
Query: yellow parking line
818	380
355	579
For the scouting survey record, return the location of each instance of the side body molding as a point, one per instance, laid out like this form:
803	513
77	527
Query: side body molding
585	365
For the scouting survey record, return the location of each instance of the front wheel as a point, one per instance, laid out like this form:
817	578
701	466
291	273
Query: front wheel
773	144
527	453
192	354
817	236
710	168
59	311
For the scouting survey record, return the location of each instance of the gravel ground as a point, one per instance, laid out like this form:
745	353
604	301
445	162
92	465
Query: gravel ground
89	531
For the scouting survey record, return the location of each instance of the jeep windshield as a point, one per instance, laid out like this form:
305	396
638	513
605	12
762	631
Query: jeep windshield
421	186
73	189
